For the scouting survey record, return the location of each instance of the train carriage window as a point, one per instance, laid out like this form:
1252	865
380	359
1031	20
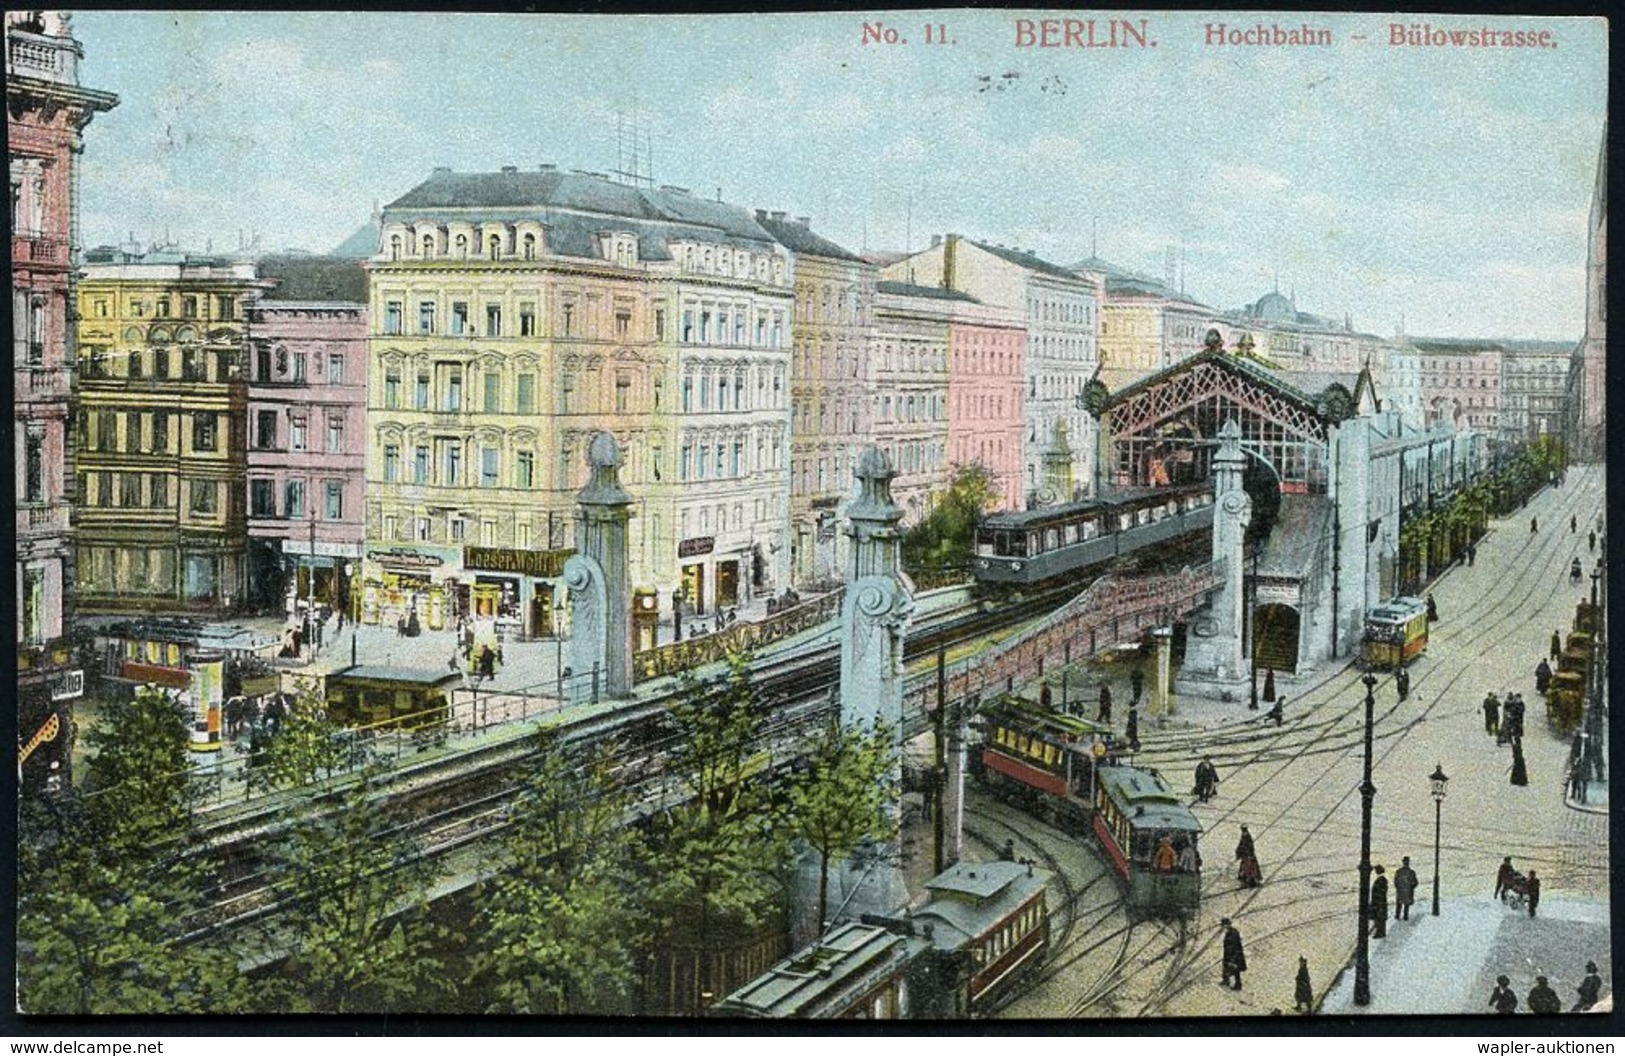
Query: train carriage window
1124	521
1142	517
1071	533
1052	539
1091	528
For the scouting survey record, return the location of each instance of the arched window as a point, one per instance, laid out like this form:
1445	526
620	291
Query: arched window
494	246
428	245
395	247
530	247
462	246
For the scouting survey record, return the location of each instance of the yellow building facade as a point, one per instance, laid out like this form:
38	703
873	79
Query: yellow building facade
161	400
512	316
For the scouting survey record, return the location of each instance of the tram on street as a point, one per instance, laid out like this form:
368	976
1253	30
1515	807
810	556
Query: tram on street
1396	632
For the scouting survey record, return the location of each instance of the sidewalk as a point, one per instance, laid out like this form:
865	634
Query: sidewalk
1448	964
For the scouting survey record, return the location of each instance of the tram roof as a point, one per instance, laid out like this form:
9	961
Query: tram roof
1035	716
972	897
1045	515
1145	798
410	676
1397	610
846	957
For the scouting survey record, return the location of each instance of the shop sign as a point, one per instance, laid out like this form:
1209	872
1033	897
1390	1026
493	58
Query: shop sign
301	548
409	559
544	564
695	547
827	502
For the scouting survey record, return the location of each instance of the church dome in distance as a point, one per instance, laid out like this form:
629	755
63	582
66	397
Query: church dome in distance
1274	306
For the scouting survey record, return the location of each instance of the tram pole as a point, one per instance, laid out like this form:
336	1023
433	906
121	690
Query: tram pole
939	727
1368	791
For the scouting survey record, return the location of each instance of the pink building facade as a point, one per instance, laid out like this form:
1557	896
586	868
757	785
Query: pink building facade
1461	384
46	113
987	349
307	418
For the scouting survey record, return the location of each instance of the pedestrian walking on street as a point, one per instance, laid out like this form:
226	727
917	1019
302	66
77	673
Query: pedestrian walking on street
1591	542
1590	988
1402	683
1574	524
1269	684
1578	786
1557	646
1248	872
1534	893
1132	733
1543	676
1105	712
1277	714
1433	610
1534	525
1520	769
1404	889
1207	780
1503	877
1235	957
1379	905
1044	697
1472	554
1503	1000
1492	714
1576	573
1303	994
1543	1000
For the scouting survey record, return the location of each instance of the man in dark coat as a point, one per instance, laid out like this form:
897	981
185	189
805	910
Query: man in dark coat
1105	712
1472	554
1044	697
1492	714
1591	541
1543	1000
1207	780
1574	524
1132	732
1520	768
1557	646
1534	525
1379	905
1136	681
1433	610
1303	995
1534	892
1543	676
1235	957
1503	877
1269	684
1404	889
1503	1000
1277	712
1402	682
1589	989
1512	716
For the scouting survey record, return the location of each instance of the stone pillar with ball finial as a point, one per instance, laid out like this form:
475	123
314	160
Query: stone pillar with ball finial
598	578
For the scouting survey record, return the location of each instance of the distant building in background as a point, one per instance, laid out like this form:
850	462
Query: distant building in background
1397	370
910	367
987	355
1461	383
307	432
514	314
47	111
1145	325
1274	330
1587	396
1062	311
162	406
833	399
1534	389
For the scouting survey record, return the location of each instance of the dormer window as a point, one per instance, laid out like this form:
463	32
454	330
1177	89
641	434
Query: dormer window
462	246
494	247
428	245
395	247
530	247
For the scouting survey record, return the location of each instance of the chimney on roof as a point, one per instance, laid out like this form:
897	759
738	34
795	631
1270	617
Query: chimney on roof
936	240
546	168
778	215
804	221
761	214
510	168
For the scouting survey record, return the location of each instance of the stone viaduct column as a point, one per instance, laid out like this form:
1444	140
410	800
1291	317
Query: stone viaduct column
598	579
1216	658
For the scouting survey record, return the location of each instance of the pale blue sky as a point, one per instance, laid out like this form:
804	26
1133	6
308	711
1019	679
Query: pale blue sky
1450	185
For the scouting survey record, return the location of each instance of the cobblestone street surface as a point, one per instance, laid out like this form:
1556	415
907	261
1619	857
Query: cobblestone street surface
1296	788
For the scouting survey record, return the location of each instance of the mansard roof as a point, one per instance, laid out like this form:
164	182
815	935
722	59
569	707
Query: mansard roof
799	238
1023	259
909	289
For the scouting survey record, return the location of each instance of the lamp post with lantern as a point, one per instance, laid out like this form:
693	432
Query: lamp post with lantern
1368	791
1439	779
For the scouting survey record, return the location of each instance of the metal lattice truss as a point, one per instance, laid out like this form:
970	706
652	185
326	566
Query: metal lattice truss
1188	406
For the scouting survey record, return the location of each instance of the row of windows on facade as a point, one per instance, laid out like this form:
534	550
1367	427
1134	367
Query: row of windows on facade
901	409
262	499
836	472
192	306
703	326
106	489
1454	382
1048	346
454	527
146	431
278	365
442	465
497	241
1071	310
127	570
836	306
266	438
441	388
158	364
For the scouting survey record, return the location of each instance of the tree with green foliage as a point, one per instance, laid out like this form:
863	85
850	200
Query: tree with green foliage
559	928
109	880
354	889
845	794
943	541
303	746
719	856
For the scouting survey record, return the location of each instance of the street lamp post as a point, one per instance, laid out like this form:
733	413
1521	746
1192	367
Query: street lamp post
1252	632
1438	778
1368	791
558	642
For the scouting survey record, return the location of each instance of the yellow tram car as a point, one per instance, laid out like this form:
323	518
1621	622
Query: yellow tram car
1396	632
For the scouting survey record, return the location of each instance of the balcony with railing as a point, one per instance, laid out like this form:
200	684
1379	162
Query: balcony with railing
41	518
44	58
35	249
